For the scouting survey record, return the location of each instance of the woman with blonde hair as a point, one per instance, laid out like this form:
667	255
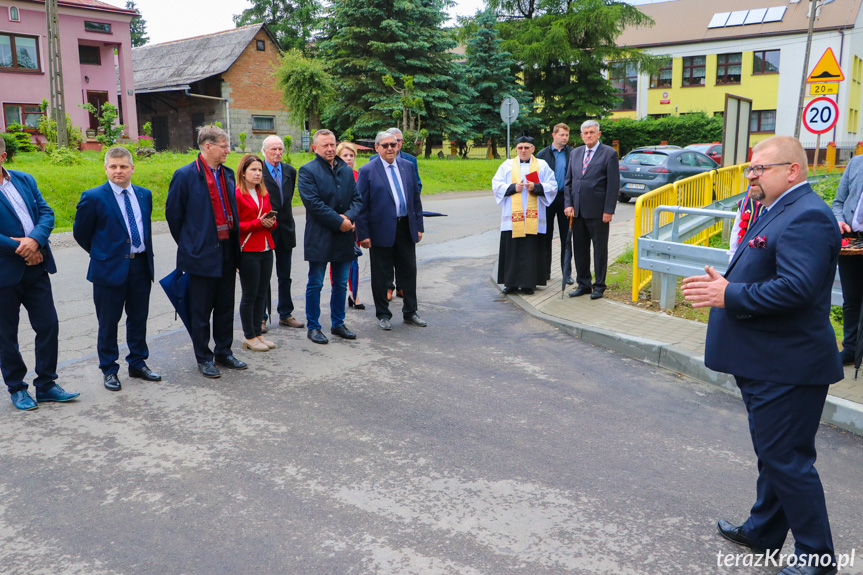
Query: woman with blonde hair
348	152
257	218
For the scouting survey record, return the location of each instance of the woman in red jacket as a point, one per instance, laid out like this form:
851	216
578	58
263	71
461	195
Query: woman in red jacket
257	218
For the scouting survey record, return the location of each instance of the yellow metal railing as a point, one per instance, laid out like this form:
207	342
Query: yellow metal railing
695	192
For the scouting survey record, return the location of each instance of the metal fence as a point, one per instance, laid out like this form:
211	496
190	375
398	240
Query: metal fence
694	192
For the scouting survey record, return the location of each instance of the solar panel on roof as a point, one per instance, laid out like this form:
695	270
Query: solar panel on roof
755	16
774	14
737	17
719	19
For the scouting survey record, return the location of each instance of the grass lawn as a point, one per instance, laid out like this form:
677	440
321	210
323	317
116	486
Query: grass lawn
62	185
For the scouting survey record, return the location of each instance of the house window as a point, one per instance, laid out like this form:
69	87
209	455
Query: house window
264	124
728	68
694	70
763	121
19	52
766	62
14	14
624	78
662	79
261	45
27	115
102	27
90	55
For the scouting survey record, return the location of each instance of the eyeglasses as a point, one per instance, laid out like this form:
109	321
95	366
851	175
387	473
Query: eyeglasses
223	146
400	140
758	169
388	145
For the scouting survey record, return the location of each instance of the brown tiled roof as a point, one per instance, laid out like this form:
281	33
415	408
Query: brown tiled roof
87	5
685	21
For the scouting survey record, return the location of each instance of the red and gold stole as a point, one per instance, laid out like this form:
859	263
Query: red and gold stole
224	216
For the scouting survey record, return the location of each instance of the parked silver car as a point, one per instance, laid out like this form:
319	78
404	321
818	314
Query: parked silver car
645	169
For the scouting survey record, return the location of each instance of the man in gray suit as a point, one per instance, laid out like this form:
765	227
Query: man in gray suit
590	195
847	209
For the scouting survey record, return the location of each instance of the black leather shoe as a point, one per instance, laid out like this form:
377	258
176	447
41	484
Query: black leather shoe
570	281
231	362
416	320
527	291
578	292
144	373
735	534
209	369
112	382
317	336
508	290
809	570
343	332
596	294
385	324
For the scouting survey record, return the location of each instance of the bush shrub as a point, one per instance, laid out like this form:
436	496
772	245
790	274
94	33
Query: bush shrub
11	146
64	156
676	130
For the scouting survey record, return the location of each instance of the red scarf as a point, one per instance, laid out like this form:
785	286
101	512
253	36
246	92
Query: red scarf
223	226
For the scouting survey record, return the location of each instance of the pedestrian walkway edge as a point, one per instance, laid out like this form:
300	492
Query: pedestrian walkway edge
840	412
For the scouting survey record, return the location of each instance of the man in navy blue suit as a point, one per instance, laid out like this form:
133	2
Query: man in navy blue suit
390	224
26	222
770	328
112	224
201	211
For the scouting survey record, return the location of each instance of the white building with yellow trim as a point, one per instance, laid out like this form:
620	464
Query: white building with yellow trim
749	48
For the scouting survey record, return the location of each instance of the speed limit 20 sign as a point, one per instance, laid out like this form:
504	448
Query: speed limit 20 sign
820	115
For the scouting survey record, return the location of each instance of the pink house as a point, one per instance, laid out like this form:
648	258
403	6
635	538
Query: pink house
90	34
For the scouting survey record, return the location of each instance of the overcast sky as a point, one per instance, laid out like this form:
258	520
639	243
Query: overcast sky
207	16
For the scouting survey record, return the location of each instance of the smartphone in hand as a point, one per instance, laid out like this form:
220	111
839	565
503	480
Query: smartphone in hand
270	214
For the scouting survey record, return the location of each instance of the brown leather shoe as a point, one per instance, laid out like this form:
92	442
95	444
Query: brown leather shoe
400	293
389	295
291	322
264	327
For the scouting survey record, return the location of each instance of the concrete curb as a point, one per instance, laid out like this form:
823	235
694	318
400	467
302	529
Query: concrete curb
842	413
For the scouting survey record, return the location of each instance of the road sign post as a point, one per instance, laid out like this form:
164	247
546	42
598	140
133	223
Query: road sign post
508	113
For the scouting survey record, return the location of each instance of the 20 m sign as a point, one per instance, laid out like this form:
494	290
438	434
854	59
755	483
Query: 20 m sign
820	115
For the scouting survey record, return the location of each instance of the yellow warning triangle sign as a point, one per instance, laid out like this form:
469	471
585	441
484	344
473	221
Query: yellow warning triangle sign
827	69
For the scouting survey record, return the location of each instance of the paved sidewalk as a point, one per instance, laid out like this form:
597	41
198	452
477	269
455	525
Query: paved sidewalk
670	342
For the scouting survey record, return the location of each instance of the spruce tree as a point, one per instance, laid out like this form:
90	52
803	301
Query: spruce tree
138	26
492	73
370	39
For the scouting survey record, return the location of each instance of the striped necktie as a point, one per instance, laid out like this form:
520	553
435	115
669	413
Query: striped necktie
586	161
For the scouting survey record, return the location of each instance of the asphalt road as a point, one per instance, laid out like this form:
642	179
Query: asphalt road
487	443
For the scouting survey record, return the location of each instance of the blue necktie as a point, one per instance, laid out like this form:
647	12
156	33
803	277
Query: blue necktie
130	214
403	208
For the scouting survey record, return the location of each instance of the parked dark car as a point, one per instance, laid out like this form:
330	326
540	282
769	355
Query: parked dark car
645	169
712	151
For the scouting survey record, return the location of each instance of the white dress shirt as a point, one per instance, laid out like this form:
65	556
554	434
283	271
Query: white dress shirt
136	209
14	196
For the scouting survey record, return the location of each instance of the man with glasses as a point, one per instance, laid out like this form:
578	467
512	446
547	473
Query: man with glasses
201	211
390	224
524	187
329	193
394	285
770	328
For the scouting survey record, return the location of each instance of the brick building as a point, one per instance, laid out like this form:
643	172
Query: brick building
224	77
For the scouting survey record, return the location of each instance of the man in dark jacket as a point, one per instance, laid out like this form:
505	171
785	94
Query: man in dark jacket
201	211
557	156
327	188
280	178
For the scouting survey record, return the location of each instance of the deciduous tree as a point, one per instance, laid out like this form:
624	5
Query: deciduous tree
292	22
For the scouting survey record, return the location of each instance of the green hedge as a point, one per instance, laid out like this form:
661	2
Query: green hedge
675	130
11	146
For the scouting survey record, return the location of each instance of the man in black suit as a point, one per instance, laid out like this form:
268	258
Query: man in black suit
112	224
770	328
201	211
390	224
557	158
591	188
280	178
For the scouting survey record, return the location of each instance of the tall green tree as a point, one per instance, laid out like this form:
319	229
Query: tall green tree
138	26
493	74
292	22
307	88
566	47
369	40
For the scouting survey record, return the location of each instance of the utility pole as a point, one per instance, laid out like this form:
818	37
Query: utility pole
814	11
55	73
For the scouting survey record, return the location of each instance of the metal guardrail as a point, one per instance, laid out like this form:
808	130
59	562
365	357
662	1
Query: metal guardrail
694	192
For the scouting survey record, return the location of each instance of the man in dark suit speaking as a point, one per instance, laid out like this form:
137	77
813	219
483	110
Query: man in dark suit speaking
590	195
390	224
770	328
26	221
280	179
112	224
